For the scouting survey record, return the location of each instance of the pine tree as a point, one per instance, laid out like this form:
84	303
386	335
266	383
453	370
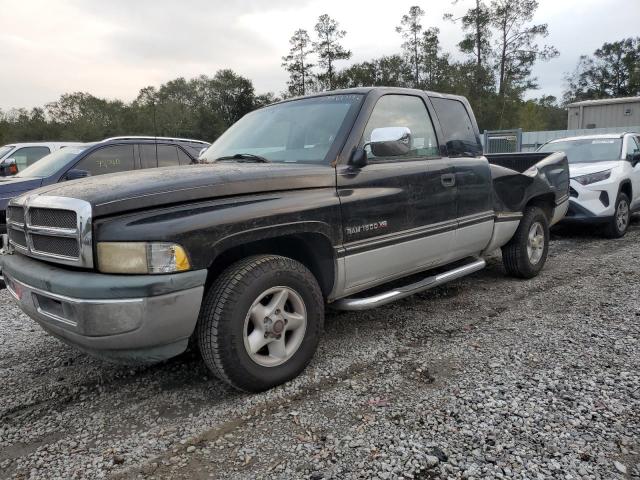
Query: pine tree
410	28
297	63
329	49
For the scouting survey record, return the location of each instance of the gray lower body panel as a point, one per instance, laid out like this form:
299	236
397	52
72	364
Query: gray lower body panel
145	328
361	271
503	231
394	294
559	212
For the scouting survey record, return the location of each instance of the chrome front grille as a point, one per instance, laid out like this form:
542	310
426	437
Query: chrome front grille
15	214
53	218
60	246
57	229
17	237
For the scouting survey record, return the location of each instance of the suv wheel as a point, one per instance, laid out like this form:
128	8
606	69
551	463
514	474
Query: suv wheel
260	322
526	253
618	225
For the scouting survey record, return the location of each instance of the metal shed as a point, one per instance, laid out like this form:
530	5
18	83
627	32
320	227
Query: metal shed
606	113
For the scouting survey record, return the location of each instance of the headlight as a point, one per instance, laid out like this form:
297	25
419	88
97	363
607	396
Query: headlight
592	177
141	258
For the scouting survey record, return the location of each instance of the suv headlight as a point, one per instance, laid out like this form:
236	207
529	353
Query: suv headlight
592	177
141	257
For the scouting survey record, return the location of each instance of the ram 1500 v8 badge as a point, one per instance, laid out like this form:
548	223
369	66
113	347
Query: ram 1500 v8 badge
306	203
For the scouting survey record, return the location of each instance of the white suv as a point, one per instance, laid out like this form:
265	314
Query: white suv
605	179
17	156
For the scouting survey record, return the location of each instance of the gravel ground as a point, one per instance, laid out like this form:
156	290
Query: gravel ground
487	377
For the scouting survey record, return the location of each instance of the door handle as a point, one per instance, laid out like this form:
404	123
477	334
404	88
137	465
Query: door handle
448	180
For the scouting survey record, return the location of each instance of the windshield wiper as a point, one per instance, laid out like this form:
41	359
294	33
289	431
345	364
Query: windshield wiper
244	157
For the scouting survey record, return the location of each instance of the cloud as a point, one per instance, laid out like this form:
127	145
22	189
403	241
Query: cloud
114	48
151	31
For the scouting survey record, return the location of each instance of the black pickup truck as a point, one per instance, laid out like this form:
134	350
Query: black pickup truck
331	199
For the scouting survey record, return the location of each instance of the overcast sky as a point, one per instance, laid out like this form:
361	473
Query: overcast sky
113	48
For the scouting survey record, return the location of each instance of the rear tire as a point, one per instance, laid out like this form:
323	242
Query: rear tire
619	224
261	322
526	253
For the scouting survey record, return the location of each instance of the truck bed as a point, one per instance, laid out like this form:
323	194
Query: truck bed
520	162
513	188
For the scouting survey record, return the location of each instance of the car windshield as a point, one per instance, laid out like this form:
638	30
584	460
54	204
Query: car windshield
53	162
300	131
5	149
587	149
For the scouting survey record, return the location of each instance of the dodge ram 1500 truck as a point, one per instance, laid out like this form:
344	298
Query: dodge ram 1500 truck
331	199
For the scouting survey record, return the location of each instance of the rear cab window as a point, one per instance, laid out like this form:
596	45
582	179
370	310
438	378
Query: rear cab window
460	135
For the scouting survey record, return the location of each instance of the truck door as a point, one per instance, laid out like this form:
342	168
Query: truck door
398	212
474	206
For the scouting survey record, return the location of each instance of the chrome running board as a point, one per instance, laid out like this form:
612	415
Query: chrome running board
352	303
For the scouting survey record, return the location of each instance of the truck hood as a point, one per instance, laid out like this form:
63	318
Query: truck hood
121	192
577	169
15	186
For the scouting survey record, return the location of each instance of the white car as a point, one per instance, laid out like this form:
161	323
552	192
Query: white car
605	179
18	156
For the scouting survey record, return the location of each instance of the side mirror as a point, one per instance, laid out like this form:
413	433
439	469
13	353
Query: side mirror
391	141
202	151
358	158
74	174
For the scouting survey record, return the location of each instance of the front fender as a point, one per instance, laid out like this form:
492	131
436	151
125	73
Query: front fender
512	190
207	229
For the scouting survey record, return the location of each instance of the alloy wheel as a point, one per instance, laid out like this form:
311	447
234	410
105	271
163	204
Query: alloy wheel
622	215
275	326
535	243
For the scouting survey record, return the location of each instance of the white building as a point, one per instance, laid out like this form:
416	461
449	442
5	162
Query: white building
606	113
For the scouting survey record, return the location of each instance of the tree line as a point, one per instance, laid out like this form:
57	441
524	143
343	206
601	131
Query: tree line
200	108
493	67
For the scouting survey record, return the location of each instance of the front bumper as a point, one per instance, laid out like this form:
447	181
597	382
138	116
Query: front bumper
593	203
577	214
141	318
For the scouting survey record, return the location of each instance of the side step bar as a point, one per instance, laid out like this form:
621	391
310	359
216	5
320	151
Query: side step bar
379	299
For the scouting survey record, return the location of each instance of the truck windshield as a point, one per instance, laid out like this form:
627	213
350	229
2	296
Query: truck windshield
300	131
53	162
587	150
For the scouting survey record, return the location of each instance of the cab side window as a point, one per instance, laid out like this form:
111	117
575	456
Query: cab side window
112	159
403	111
27	156
460	136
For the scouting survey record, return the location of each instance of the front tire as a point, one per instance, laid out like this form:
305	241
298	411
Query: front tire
619	224
526	253
261	322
